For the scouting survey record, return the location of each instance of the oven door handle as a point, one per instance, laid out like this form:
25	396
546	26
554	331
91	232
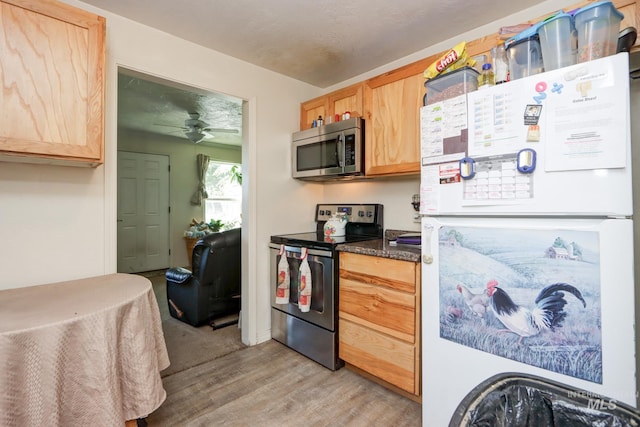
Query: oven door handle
298	249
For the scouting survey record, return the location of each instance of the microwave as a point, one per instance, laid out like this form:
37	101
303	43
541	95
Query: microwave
328	152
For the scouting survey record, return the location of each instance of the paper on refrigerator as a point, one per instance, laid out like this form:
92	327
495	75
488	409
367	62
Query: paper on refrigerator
443	142
588	120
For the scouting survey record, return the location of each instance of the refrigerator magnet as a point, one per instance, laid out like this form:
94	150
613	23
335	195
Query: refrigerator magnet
526	160
533	133
467	168
532	114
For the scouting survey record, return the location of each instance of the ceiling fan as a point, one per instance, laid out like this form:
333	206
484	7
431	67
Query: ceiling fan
196	130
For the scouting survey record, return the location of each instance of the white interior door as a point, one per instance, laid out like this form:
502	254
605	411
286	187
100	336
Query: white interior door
143	212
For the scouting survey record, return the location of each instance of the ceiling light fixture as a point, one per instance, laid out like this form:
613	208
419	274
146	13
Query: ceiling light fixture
194	135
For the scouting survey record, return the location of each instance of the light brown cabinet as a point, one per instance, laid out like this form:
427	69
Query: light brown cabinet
310	110
392	120
346	99
379	319
52	60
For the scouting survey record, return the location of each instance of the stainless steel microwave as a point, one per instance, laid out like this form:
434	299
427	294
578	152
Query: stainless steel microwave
329	152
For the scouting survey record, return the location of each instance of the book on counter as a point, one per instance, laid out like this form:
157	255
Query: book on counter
409	239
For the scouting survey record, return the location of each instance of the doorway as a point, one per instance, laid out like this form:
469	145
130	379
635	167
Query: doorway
162	117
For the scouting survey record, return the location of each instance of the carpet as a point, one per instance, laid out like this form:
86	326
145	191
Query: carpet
189	346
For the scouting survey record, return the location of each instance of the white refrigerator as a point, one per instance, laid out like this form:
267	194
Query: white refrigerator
526	195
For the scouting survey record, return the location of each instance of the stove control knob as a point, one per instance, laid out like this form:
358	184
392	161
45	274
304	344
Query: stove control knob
321	212
369	214
360	214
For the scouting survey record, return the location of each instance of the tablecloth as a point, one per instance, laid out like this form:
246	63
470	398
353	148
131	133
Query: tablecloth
82	352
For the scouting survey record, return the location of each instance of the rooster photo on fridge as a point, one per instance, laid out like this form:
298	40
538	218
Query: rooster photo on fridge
530	295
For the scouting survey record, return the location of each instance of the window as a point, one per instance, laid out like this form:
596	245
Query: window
224	189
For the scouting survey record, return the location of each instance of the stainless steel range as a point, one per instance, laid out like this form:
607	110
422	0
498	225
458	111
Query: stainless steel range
314	333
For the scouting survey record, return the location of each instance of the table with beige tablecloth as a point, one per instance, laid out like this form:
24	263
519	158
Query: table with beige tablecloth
82	352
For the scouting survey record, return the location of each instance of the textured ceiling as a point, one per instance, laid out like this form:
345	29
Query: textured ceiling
320	42
153	105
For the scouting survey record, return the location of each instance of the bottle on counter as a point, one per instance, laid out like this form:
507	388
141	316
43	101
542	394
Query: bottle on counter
487	78
320	122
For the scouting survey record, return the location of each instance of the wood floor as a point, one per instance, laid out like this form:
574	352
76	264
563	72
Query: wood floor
272	385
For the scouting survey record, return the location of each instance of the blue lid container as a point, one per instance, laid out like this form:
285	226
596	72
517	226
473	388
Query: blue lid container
558	41
597	25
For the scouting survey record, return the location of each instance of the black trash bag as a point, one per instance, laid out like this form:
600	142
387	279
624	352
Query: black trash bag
518	400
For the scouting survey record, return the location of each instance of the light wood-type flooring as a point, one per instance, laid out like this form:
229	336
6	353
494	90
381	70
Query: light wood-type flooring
272	385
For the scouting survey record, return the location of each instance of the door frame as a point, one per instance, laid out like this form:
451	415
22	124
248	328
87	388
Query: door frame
249	290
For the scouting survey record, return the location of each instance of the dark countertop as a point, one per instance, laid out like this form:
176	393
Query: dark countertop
382	248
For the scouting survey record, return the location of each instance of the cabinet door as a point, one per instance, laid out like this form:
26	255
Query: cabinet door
379	318
52	68
379	293
310	110
347	99
631	15
392	114
378	354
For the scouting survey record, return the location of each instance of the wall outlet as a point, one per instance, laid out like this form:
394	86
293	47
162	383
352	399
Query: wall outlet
415	217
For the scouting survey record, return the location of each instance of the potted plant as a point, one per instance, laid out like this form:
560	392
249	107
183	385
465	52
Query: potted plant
198	229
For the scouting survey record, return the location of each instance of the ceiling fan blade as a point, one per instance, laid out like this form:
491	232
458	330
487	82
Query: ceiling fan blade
169	126
221	130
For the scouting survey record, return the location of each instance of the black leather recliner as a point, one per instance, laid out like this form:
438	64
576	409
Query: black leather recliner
213	288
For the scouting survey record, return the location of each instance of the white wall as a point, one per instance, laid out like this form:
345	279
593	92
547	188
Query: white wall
394	193
51	224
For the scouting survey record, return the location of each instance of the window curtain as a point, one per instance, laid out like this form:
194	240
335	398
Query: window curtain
202	161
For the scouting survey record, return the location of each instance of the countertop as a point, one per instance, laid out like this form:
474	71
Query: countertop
383	248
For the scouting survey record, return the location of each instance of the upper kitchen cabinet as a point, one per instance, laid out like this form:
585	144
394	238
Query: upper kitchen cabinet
631	15
338	102
348	99
311	110
392	118
52	60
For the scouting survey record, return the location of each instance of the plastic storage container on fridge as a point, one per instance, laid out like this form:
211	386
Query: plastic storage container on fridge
558	41
524	53
525	57
598	25
450	85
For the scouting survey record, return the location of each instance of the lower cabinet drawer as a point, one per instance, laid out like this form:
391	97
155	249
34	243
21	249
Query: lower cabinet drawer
385	357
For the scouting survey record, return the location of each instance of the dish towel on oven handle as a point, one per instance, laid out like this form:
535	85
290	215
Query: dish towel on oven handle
304	282
284	280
